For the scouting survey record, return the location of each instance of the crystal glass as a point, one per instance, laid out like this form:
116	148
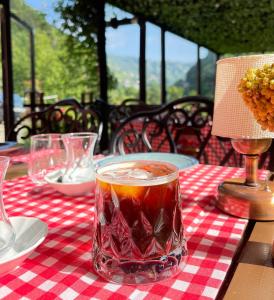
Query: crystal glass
7	235
139	235
47	154
79	148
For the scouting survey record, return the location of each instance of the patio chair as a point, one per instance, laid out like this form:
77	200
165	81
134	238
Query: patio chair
157	129
64	116
127	108
182	126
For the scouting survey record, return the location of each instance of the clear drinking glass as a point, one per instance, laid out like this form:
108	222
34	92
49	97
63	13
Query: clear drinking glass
7	235
79	147
139	235
47	154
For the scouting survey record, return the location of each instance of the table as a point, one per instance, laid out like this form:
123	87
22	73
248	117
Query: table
61	267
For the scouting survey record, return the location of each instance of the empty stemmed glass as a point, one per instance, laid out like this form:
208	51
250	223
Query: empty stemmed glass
47	154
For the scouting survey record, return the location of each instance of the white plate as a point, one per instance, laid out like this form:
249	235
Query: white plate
179	160
29	234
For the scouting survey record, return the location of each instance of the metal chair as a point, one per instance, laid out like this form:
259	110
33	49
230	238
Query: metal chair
64	116
127	108
160	129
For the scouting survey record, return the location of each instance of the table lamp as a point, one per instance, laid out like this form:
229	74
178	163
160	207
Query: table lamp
243	197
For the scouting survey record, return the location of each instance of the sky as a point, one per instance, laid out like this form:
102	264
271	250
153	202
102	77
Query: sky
124	41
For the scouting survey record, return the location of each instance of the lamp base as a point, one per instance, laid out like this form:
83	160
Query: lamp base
241	200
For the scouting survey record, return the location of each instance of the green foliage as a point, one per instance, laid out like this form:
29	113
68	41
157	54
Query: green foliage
153	93
116	96
79	14
64	66
174	92
20	59
66	59
79	24
222	25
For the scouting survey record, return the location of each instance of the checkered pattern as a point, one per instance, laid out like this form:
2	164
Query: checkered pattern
19	156
61	266
26	157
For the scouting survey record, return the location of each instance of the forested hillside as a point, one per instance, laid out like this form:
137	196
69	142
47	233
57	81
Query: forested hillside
181	78
126	70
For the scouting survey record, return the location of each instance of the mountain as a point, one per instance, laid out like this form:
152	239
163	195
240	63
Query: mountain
126	70
207	77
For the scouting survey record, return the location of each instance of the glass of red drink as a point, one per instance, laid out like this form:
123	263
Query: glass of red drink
139	235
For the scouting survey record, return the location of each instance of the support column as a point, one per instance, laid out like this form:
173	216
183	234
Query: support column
101	49
163	67
102	60
7	66
32	71
198	71
142	61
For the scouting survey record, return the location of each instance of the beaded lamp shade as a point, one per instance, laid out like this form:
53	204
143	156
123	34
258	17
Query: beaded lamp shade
232	118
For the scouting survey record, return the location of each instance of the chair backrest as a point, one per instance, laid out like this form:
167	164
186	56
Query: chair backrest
126	109
219	151
161	129
64	116
132	101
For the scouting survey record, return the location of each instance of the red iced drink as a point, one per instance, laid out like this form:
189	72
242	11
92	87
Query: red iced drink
139	234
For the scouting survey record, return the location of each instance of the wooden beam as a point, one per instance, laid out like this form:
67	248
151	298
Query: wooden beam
115	23
163	67
142	61
7	66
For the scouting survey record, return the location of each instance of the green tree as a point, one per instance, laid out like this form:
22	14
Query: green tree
121	93
66	65
174	92
20	59
153	93
79	23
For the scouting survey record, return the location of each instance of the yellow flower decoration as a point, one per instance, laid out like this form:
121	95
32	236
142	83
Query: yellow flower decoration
257	89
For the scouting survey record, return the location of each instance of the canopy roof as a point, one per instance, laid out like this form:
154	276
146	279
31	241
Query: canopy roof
224	26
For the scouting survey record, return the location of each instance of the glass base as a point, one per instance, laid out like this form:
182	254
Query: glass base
238	199
139	271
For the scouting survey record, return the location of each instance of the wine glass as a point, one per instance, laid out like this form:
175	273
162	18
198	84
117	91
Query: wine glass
47	154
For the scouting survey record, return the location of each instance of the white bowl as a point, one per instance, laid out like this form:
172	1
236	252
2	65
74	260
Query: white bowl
69	189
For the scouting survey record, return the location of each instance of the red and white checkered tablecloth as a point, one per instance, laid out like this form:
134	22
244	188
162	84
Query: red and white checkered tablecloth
61	266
